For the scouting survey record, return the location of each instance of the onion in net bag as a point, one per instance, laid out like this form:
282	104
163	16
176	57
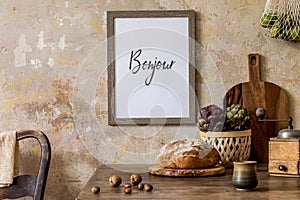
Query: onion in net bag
281	18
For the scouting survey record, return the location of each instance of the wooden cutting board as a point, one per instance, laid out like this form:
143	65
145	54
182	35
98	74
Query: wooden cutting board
255	94
161	171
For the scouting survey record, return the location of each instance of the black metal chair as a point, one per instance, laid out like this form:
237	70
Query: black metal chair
31	185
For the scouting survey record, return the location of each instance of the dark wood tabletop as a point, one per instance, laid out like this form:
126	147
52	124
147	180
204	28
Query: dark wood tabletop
187	188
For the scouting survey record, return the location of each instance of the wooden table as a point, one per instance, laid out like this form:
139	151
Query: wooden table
188	188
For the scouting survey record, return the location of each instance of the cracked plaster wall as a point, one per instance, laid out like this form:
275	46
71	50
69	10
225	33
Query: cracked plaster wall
53	77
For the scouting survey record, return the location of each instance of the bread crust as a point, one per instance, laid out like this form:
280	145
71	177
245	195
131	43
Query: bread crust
193	162
186	154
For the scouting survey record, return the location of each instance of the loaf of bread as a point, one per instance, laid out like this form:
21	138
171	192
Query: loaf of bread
188	154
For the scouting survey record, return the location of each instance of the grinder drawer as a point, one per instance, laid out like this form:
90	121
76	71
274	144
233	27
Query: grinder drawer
283	167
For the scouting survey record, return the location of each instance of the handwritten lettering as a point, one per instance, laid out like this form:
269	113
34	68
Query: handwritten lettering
135	65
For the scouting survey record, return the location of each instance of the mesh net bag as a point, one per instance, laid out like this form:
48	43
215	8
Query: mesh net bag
281	18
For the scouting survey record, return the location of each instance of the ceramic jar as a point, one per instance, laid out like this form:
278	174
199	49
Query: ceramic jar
245	175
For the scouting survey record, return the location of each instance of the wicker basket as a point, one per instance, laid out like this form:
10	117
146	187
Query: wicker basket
232	146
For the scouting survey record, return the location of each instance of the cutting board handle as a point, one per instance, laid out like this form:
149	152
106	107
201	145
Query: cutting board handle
254	68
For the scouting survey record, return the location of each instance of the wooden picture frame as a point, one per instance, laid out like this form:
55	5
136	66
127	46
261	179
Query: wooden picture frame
151	73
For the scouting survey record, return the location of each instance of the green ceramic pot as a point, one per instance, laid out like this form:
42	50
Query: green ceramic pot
245	175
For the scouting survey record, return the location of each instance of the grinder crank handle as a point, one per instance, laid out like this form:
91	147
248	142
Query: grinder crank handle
261	113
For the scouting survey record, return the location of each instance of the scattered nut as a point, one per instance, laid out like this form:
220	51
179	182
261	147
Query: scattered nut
127	190
148	187
115	180
135	179
95	189
127	185
140	186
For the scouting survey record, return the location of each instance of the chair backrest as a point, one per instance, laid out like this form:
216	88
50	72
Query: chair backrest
31	185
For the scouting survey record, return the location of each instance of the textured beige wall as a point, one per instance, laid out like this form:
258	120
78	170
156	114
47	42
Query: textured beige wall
53	77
